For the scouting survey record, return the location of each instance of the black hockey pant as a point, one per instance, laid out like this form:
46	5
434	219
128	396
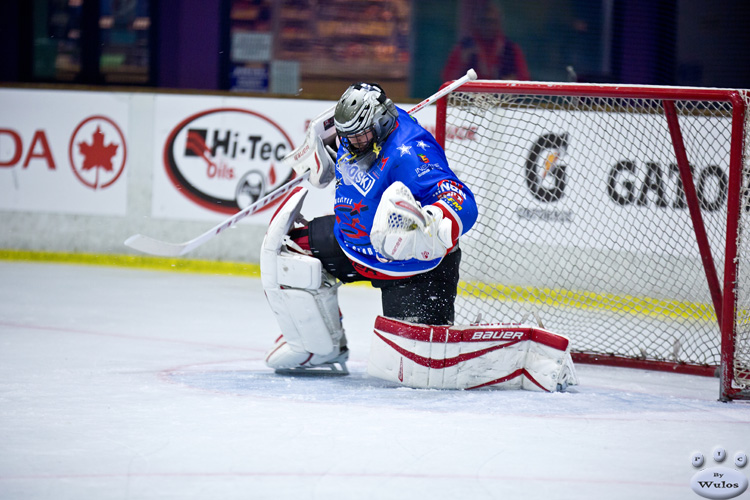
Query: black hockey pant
426	298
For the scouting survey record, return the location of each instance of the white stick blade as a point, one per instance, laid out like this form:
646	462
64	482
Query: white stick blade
151	246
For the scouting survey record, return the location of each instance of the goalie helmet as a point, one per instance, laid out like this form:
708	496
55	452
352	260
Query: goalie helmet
364	117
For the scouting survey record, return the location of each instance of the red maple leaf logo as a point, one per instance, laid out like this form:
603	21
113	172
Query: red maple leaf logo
96	154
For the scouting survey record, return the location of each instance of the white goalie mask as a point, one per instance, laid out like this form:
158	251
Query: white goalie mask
364	117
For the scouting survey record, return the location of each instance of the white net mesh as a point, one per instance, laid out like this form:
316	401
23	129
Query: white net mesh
583	219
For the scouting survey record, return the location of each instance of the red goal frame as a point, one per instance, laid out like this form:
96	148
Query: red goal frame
722	294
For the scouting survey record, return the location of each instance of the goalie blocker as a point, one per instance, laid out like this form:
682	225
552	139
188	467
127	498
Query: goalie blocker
470	357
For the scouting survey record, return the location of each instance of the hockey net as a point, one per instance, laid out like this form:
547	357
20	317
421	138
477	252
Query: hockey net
614	214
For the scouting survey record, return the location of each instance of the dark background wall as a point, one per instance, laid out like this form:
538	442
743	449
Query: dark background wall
664	42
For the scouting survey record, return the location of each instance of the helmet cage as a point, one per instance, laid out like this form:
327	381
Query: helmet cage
359	142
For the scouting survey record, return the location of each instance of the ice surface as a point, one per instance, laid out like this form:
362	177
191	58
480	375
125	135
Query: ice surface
118	383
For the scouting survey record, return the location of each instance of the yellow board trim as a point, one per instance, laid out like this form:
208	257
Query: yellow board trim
620	304
136	261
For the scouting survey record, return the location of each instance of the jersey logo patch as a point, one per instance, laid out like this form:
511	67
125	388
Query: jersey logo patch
383	162
362	181
349	221
405	150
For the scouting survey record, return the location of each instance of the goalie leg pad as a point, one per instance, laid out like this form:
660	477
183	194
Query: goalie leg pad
470	357
304	302
309	319
273	242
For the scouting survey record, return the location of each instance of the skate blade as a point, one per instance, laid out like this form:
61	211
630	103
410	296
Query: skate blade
337	369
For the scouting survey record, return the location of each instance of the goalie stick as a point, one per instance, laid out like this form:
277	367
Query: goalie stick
301	157
152	246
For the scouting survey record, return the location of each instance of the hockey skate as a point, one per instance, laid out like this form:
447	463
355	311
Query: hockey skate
287	361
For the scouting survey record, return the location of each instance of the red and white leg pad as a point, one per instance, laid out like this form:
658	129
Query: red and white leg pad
303	298
470	357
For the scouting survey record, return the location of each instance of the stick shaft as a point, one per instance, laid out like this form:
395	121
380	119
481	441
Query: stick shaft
470	75
153	246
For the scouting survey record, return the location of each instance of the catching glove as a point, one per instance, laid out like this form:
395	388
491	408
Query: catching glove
403	229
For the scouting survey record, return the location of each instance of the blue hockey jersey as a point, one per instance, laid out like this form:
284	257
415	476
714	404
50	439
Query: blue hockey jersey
411	155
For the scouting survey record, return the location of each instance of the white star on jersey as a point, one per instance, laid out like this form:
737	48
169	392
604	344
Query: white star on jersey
422	144
405	150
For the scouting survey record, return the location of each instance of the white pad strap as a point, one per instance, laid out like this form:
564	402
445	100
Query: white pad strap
403	230
470	357
305	304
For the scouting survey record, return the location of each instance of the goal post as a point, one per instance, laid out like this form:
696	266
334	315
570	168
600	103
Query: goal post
618	214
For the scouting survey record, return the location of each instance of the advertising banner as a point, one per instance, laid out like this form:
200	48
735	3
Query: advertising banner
63	152
551	177
213	156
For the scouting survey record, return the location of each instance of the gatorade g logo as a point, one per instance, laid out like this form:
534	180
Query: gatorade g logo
545	174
